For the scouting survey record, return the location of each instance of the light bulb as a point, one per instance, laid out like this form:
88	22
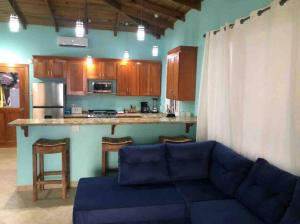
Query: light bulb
89	60
126	55
14	23
140	33
155	51
79	29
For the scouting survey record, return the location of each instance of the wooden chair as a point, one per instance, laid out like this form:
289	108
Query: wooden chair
112	145
174	139
47	146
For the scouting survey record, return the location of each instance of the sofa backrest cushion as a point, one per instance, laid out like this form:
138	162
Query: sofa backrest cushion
228	169
189	161
292	214
267	191
143	164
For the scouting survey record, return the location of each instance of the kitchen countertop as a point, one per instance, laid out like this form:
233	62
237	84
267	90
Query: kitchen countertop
121	119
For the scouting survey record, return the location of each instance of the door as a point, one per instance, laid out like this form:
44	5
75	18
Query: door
14	100
58	68
48	95
122	75
109	70
133	80
76	78
41	68
170	77
155	76
143	70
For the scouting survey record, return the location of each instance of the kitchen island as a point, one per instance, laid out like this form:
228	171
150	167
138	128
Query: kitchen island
86	134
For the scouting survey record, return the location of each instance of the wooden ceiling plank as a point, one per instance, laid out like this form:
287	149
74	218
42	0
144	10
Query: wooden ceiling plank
15	8
51	11
145	17
194	4
116	26
117	6
86	19
160	10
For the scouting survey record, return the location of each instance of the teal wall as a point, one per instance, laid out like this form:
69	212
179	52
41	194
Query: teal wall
41	40
85	150
214	14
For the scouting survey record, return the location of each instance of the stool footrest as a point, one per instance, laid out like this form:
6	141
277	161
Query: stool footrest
52	173
49	182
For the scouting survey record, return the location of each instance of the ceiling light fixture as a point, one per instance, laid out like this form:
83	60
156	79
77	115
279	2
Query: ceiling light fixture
89	60
155	51
14	23
140	33
79	29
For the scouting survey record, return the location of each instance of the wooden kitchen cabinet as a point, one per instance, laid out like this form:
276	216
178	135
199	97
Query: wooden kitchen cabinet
45	67
76	78
181	73
102	69
127	79
149	78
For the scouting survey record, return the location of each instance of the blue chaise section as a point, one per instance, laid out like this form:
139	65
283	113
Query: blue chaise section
104	201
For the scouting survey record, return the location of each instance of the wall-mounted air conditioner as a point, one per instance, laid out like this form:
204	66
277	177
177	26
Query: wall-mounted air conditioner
72	41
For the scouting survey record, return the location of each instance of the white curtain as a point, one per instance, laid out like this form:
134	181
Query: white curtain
250	87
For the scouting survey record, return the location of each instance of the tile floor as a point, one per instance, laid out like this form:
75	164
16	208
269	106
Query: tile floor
18	208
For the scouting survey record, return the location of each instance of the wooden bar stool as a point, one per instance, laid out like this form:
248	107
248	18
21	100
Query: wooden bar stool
112	145
174	139
46	146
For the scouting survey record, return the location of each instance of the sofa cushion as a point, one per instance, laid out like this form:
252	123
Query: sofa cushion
267	191
292	214
143	164
189	161
222	212
199	190
228	169
103	201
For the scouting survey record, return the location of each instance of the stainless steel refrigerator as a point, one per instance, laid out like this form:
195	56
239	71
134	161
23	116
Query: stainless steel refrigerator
48	100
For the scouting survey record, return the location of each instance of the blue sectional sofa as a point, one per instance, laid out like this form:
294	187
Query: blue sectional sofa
191	183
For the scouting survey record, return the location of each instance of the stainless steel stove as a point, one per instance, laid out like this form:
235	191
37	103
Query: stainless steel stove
102	114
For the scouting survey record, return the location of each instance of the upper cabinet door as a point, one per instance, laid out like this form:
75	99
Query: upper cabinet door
122	82
181	73
58	68
133	80
92	70
76	78
109	70
170	77
41	68
155	79
144	75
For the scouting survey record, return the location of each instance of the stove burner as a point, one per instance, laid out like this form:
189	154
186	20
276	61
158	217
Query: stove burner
102	113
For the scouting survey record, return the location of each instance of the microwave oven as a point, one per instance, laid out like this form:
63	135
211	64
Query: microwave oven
102	87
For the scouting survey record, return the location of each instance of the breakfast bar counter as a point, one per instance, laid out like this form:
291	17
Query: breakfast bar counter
85	136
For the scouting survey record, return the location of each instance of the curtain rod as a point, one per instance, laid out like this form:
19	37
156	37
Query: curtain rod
243	20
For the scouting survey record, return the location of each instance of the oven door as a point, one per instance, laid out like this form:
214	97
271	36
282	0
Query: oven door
102	87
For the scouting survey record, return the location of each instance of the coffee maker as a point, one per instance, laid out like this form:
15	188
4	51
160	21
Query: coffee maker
145	107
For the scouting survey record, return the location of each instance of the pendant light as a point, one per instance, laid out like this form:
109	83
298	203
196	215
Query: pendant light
140	33
14	23
155	51
126	56
79	29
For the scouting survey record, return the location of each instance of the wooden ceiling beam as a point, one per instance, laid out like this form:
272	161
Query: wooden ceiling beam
51	11
118	7
15	8
157	9
116	26
194	4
